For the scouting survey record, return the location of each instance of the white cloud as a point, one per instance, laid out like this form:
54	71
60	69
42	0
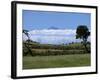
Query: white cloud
52	32
52	36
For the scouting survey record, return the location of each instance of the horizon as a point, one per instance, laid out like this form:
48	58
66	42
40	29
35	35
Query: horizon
46	36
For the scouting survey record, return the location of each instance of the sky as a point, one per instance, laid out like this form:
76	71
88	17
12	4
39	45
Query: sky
46	19
41	23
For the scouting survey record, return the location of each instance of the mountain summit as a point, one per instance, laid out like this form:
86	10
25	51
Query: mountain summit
53	28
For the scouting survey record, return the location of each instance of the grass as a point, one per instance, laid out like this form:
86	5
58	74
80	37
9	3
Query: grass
51	46
71	60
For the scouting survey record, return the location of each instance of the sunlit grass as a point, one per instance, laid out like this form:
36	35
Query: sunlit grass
76	60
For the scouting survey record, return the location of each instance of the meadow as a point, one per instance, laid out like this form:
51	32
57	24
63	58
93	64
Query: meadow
71	60
53	56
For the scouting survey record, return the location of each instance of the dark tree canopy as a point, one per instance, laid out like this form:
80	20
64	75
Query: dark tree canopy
28	42
83	33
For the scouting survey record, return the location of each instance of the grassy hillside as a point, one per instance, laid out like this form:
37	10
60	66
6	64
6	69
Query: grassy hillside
53	56
77	60
49	49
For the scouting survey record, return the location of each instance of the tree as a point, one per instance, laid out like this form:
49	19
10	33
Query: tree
27	45
83	33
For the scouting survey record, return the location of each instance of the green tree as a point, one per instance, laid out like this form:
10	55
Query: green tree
83	33
27	44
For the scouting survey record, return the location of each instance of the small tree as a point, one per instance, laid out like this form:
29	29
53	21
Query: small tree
27	45
83	33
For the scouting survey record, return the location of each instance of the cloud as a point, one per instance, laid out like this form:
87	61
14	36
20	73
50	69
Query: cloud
51	36
46	32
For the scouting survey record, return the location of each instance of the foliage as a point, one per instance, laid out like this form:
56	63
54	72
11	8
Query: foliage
26	45
83	33
47	49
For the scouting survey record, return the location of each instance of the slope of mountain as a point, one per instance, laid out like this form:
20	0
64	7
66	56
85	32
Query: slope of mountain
55	28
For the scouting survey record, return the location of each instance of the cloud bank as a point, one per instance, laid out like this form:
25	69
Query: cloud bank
51	36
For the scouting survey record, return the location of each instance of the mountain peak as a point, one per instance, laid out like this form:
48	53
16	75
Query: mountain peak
53	28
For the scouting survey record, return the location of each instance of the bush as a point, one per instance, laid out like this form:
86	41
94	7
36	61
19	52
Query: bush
63	52
47	49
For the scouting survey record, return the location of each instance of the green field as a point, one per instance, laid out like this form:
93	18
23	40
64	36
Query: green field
77	60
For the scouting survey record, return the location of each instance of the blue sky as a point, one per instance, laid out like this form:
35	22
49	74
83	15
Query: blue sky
46	19
39	23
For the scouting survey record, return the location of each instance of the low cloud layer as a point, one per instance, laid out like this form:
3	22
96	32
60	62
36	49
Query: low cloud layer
51	36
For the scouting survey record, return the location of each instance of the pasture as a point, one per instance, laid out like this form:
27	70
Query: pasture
53	56
71	60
